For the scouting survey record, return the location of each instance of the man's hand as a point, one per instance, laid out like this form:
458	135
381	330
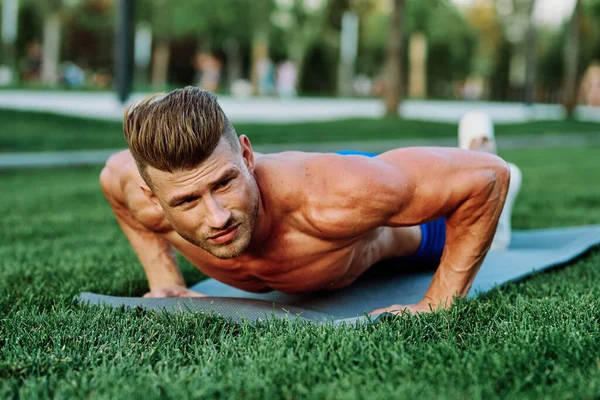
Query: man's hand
173	291
397	309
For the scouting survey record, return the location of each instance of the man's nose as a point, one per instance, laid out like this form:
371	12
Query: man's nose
216	215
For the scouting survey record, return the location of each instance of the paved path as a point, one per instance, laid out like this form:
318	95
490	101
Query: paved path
104	105
96	157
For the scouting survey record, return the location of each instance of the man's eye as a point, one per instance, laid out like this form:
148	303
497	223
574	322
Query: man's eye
223	183
188	200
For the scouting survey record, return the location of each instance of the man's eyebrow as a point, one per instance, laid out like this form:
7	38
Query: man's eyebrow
179	198
229	173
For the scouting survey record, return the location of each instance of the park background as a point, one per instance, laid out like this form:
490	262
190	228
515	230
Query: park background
367	75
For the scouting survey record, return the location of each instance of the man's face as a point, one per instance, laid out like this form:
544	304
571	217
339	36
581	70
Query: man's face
213	205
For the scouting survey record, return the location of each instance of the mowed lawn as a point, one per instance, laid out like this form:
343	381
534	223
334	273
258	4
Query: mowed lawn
536	339
31	131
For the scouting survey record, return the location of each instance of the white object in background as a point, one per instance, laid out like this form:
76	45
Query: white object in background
475	124
241	89
502	237
349	39
10	18
142	49
6	75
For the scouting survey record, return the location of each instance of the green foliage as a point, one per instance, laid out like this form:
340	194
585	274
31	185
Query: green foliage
451	42
319	75
536	339
213	22
551	67
372	44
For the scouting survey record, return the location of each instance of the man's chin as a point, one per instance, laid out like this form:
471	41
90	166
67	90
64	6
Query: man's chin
225	252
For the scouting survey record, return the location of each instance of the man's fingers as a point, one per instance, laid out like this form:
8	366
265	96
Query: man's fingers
161	293
394	309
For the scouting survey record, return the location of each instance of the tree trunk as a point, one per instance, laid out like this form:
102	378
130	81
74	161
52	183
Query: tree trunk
160	64
234	61
51	49
571	62
260	44
530	58
348	52
9	22
393	90
417	73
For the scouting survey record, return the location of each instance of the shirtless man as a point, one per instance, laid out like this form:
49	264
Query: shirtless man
293	222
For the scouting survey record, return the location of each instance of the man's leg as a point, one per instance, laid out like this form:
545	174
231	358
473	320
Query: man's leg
476	132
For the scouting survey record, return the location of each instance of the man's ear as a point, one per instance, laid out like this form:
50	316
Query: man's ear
150	195
247	152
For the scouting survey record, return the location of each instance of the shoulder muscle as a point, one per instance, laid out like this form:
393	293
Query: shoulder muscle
350	195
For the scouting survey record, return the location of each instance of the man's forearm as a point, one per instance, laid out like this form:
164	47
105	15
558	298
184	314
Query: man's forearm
469	233
160	265
155	254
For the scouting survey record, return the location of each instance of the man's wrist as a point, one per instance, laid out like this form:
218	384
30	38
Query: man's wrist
167	285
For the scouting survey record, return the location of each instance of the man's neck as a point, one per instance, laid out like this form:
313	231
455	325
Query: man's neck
262	228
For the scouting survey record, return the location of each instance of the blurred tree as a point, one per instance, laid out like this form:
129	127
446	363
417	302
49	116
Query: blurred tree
515	18
394	79
554	48
58	16
530	56
296	26
159	14
89	34
451	42
322	43
260	16
9	11
571	60
482	16
230	25
51	12
372	41
550	68
222	24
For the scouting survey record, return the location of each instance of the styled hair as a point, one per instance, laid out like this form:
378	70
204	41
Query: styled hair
177	130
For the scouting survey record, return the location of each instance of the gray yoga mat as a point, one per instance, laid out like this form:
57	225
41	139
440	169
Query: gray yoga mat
390	282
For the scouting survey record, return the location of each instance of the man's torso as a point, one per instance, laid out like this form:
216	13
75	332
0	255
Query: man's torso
297	257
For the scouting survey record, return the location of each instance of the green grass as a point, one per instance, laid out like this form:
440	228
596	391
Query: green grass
31	131
536	339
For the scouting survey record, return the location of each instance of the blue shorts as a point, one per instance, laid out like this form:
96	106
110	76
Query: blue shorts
433	233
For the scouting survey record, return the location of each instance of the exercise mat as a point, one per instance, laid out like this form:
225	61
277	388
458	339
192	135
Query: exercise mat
389	282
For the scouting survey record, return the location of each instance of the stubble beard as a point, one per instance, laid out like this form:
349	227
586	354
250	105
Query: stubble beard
241	241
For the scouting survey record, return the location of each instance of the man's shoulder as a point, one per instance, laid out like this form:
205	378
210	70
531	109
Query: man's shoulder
118	173
320	190
281	176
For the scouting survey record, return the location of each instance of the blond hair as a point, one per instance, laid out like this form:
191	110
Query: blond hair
176	131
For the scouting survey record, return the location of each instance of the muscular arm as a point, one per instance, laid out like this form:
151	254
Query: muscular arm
155	253
411	186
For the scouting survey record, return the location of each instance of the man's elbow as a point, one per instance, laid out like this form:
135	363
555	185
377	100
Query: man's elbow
501	178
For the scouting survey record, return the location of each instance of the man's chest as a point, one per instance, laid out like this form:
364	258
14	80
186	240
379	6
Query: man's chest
289	262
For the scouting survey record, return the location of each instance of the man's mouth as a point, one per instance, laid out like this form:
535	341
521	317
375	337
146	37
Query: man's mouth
225	236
